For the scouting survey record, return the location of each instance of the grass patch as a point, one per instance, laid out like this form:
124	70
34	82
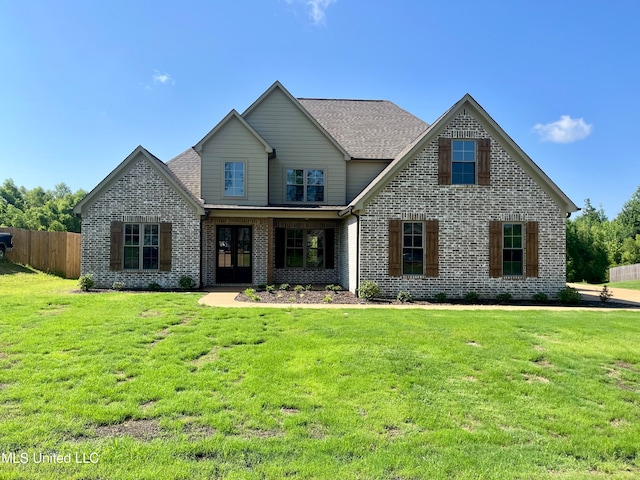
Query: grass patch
631	284
160	387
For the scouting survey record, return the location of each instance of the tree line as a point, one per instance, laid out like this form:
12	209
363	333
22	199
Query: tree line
39	209
595	243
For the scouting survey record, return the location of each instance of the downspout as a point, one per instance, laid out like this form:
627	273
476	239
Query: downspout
357	250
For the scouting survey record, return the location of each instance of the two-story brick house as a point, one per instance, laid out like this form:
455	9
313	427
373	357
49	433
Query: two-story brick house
334	191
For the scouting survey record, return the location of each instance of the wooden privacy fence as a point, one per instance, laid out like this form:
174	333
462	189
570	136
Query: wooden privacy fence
624	273
53	252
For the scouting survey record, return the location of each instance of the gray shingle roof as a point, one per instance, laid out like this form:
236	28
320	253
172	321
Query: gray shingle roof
186	167
367	129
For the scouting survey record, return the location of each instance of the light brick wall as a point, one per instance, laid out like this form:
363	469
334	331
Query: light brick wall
141	191
463	212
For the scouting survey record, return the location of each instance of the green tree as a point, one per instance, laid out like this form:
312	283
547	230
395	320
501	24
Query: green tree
629	217
587	255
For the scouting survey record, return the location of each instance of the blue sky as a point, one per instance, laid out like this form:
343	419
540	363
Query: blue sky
84	82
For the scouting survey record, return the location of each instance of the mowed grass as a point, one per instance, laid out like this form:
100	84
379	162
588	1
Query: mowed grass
631	284
158	387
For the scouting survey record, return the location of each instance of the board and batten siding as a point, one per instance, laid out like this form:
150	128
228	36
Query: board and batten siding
361	173
234	143
298	144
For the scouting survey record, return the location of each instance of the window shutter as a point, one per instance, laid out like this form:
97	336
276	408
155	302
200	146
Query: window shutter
329	247
532	249
495	249
165	246
280	247
395	248
484	161
431	253
444	161
115	261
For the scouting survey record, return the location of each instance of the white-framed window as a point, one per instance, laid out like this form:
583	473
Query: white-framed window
412	248
141	246
463	162
234	179
305	185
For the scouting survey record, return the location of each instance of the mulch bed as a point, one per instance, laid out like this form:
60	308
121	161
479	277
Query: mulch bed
348	298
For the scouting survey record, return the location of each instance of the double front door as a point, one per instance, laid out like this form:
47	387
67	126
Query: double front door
233	254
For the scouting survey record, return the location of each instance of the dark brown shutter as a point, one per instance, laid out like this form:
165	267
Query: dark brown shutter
280	247
495	249
329	247
532	249
395	248
431	253
444	161
115	262
484	161
165	247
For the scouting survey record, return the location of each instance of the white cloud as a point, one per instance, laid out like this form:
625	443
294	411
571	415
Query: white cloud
565	130
317	10
163	78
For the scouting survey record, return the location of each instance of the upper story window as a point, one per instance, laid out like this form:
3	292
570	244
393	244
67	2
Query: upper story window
234	185
141	246
305	185
512	251
463	162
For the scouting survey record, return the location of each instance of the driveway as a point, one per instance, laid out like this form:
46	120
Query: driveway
620	295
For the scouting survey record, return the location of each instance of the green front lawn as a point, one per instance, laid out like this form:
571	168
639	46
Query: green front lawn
631	284
156	386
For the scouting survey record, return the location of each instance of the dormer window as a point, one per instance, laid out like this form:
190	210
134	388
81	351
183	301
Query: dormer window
305	185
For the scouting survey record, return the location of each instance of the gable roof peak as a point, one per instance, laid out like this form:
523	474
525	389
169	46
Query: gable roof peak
233	114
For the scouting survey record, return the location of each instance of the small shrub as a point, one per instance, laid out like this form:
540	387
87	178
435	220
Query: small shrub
285	286
440	297
186	283
540	297
118	286
307	287
292	299
270	288
569	295
327	298
251	294
605	294
86	282
333	288
504	297
298	289
404	297
153	286
369	290
472	297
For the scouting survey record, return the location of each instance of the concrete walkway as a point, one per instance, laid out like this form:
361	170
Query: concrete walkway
225	297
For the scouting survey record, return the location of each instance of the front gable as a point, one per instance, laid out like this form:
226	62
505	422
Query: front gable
300	143
466	120
140	154
234	164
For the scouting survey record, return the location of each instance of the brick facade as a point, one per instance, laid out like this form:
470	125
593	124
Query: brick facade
463	213
141	194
